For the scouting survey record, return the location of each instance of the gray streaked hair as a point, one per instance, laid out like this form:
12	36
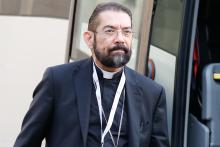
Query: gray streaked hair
112	6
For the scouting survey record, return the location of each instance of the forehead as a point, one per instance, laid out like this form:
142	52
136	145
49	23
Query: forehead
117	19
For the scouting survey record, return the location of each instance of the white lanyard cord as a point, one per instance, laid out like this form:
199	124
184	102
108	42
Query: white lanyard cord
120	123
114	105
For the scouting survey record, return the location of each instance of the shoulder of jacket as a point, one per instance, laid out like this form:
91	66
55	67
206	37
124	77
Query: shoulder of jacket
143	80
69	66
66	69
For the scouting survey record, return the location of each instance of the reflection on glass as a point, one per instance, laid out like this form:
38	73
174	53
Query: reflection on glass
166	25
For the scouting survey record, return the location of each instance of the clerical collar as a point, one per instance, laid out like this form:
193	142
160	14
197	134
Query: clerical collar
107	74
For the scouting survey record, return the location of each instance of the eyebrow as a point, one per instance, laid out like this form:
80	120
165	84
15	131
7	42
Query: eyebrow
112	27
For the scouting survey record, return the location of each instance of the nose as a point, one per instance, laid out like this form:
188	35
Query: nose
119	38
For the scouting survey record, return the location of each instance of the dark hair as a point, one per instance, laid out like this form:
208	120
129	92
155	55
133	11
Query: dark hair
93	23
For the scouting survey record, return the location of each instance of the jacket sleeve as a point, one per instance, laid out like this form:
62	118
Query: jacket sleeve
37	119
159	136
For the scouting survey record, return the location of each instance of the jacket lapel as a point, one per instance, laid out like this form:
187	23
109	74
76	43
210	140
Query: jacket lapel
83	84
134	104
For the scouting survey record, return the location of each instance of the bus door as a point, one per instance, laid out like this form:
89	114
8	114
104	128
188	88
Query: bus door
204	112
170	49
185	49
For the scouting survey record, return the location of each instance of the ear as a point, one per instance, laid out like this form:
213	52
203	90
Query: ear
89	38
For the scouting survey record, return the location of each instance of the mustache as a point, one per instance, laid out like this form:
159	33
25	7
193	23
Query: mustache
119	47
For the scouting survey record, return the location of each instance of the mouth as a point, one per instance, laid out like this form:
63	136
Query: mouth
120	51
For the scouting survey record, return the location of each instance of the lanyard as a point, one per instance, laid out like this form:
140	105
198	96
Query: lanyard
121	119
114	105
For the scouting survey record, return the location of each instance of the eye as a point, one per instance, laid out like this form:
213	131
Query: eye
110	31
127	32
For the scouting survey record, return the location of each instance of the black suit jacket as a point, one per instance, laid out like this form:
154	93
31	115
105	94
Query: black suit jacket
60	109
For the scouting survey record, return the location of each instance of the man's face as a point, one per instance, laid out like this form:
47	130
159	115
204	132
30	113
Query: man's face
112	39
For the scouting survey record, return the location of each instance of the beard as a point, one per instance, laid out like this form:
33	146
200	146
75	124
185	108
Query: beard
110	59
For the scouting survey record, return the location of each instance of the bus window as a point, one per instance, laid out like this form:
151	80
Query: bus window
79	50
164	44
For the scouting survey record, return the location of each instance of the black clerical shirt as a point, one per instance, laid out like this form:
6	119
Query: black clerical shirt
108	89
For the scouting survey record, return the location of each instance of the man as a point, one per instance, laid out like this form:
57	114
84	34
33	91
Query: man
98	101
